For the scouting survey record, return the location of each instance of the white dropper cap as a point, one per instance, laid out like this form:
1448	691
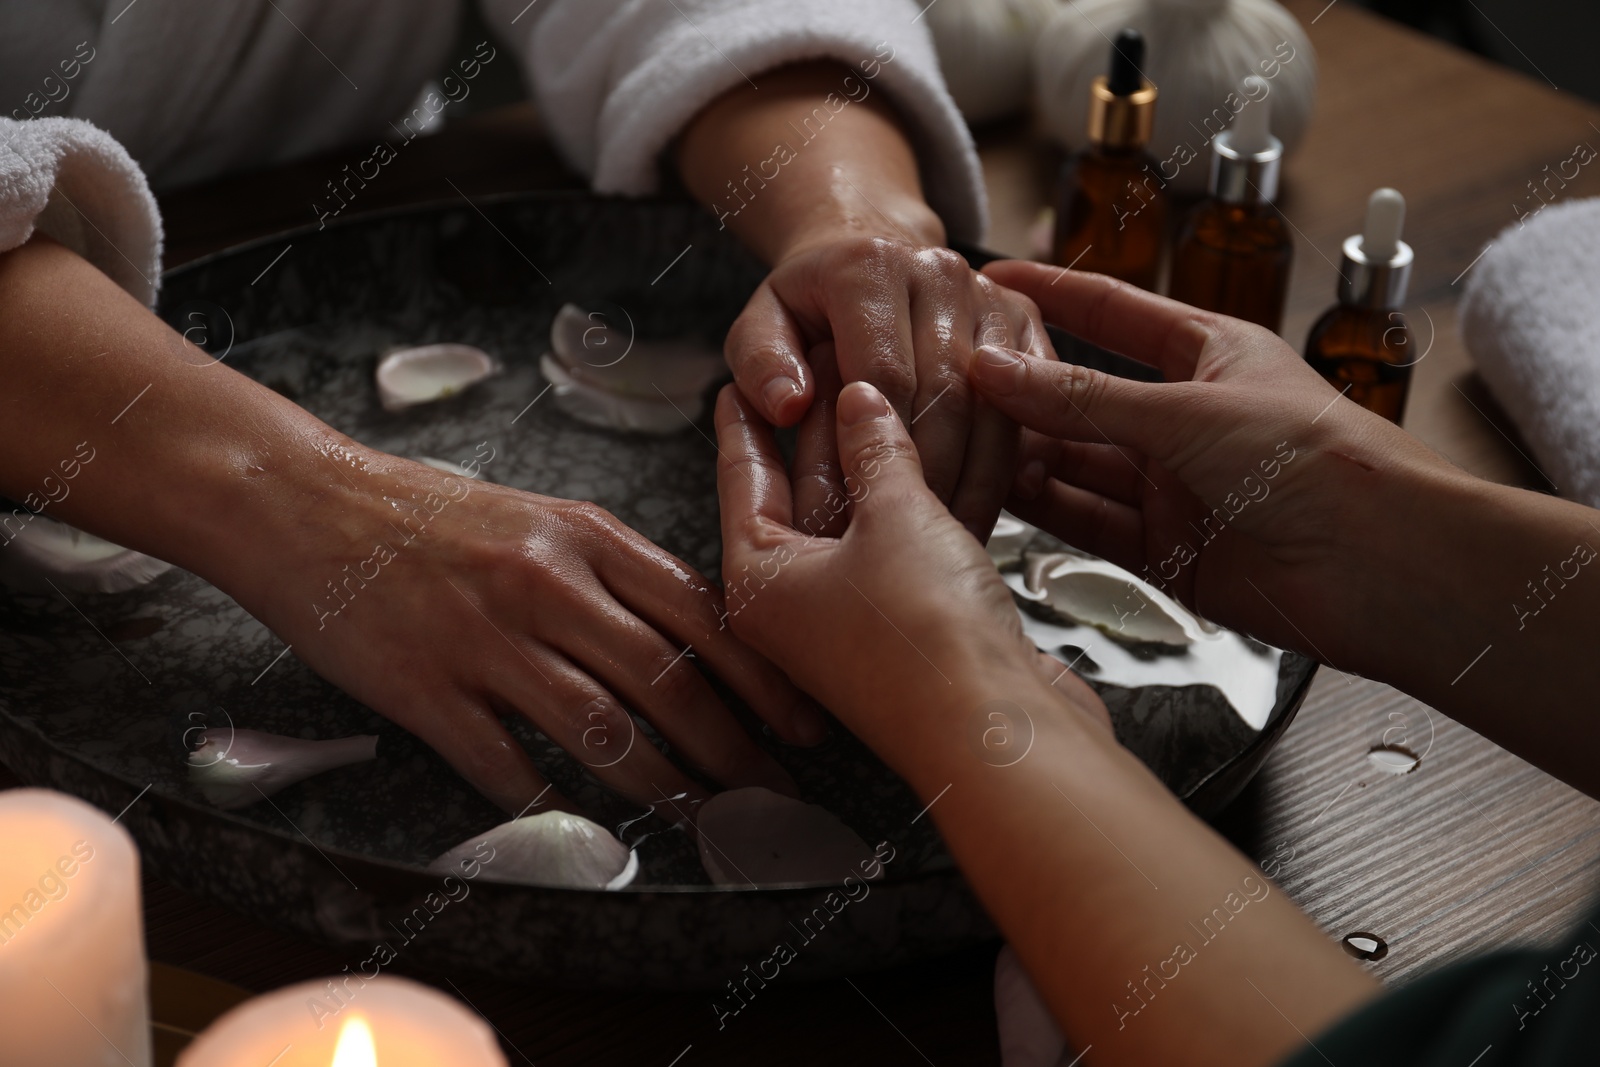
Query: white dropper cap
1375	268
1251	132
1386	219
1246	158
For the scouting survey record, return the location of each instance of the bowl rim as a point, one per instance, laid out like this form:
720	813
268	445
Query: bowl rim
1283	711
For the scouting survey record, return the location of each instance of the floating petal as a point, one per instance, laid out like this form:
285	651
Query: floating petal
43	550
235	768
411	376
755	837
553	848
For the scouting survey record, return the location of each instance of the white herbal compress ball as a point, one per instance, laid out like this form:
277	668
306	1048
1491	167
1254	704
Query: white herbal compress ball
986	51
1197	54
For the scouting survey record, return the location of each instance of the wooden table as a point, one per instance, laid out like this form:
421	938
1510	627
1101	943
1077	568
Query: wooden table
1473	849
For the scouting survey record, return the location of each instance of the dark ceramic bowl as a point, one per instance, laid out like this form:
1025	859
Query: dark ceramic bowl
95	694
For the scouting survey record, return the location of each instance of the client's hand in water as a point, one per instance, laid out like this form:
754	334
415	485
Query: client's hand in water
446	603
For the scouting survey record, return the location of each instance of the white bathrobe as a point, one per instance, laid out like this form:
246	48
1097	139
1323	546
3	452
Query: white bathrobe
103	99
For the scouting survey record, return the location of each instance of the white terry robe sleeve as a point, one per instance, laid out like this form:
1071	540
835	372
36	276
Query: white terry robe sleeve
617	80
72	181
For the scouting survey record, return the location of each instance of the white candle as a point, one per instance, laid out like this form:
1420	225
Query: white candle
73	980
348	1021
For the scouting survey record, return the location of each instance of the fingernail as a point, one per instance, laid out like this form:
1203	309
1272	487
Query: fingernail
1000	368
777	392
860	403
1030	479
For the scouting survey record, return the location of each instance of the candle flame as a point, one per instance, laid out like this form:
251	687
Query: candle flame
355	1047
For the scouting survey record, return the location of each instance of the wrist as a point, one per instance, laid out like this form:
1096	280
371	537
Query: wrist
998	721
1444	537
971	701
860	180
309	503
852	212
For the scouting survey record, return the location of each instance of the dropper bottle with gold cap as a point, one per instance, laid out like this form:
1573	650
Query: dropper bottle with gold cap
1362	345
1111	214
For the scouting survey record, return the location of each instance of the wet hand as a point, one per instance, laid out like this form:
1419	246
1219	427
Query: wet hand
904	317
445	603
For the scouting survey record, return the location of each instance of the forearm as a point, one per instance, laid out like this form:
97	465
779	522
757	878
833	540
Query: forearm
1143	929
1494	616
780	177
190	461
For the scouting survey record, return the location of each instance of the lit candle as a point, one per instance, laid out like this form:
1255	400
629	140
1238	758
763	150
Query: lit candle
73	981
348	1021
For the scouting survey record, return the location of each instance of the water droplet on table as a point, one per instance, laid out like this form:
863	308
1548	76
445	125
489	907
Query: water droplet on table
1364	946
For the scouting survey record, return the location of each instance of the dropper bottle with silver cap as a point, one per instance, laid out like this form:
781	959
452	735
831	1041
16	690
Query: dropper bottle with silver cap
1363	346
1233	253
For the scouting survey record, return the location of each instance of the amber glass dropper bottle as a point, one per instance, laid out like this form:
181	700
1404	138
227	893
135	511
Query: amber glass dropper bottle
1234	251
1111	214
1363	345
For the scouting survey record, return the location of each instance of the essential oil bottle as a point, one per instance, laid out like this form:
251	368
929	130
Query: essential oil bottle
1233	253
1111	214
1363	345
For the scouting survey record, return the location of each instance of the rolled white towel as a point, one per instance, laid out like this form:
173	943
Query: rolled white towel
71	180
1531	321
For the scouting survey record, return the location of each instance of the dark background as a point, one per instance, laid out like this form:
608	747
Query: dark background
1553	40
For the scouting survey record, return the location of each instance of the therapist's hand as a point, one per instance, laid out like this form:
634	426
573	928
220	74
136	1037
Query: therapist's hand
904	601
1243	483
904	627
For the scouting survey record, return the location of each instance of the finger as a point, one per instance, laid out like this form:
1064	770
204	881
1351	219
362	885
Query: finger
474	741
766	352
817	480
1112	472
1079	692
1088	520
943	328
1063	677
873	339
1069	401
680	603
992	445
994	441
752	486
882	472
659	680
589	723
1048	668
1114	315
1035	458
795	718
